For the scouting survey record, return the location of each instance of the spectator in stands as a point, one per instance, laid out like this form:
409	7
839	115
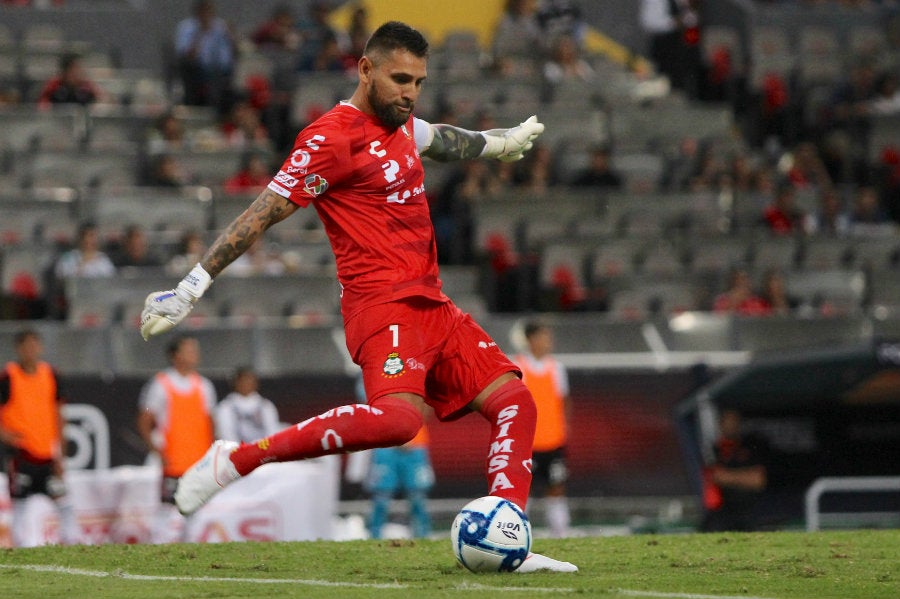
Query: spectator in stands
887	95
243	127
739	297
831	217
517	33
774	294
244	415
329	59
190	249
175	422
735	479
70	86
279	32
166	135
537	171
205	49
358	33
598	172
167	171
561	18
672	28
452	208
868	218
680	164
134	250
254	174
565	63
547	379
782	216
86	259
314	31
31	437
807	170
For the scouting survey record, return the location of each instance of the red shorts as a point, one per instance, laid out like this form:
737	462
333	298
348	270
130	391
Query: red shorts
432	349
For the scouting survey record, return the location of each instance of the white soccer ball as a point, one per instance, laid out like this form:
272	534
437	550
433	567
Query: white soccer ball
491	534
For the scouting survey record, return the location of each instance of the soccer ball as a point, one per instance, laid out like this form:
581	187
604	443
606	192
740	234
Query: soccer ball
491	534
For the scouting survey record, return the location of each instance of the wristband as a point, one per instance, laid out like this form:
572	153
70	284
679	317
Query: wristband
195	283
494	143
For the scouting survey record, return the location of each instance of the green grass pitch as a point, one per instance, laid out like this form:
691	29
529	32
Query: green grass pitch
782	565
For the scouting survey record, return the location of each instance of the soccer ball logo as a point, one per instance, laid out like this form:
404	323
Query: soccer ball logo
491	534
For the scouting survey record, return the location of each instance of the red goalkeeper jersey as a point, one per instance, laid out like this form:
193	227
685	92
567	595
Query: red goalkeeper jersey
367	185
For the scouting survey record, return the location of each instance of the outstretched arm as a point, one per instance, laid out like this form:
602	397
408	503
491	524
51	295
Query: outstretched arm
165	309
268	208
454	143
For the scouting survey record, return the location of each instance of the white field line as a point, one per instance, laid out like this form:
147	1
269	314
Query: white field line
633	593
467	586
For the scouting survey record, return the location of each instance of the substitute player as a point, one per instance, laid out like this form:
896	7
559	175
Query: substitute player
547	379
31	427
360	167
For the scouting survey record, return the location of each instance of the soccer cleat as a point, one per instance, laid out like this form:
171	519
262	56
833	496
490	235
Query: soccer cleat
535	562
207	477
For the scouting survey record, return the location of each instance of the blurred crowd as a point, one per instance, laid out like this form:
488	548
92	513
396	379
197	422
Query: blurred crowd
796	168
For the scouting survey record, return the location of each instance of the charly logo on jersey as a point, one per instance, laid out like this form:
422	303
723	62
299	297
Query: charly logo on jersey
315	185
393	366
405	131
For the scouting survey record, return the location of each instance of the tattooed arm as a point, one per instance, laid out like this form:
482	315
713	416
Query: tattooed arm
268	208
453	143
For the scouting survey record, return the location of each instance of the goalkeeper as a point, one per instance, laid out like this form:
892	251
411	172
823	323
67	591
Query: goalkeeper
360	167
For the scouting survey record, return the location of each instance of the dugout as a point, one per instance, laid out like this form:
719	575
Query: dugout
824	412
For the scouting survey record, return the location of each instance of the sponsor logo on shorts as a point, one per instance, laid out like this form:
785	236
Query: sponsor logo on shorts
393	366
314	185
285	179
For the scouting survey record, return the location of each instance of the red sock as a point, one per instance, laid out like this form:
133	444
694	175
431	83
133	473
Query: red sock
385	422
513	417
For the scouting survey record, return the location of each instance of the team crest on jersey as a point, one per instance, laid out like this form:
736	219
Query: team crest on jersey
393	366
315	185
405	131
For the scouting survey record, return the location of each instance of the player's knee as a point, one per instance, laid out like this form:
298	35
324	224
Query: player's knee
402	419
513	392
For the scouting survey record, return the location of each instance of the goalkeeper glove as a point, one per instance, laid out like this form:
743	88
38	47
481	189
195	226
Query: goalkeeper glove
509	145
165	309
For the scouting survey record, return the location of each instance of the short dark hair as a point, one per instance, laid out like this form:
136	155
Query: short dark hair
533	327
25	334
175	344
395	35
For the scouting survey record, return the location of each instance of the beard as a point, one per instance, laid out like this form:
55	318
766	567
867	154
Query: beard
387	112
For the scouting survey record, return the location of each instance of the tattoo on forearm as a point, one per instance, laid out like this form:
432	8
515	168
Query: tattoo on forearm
268	209
454	143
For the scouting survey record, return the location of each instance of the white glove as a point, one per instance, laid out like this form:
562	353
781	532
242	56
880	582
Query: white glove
165	309
509	145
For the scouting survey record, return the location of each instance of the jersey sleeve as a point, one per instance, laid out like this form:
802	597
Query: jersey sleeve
320	159
423	134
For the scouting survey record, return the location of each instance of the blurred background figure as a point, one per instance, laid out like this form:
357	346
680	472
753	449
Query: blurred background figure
547	379
176	424
134	250
31	439
399	471
736	478
205	51
244	415
70	86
